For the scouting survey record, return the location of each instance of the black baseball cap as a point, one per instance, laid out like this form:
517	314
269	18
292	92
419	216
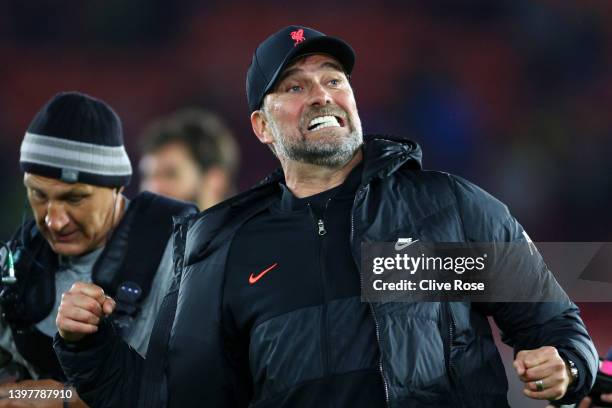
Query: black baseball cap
274	54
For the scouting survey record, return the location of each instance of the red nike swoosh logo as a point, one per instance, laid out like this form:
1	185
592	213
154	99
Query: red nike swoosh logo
253	279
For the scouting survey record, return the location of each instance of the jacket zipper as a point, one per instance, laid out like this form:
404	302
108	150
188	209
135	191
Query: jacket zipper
321	231
321	226
371	307
451	329
380	363
451	366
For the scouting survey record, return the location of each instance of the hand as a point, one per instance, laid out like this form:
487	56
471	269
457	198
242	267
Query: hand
81	309
545	365
6	402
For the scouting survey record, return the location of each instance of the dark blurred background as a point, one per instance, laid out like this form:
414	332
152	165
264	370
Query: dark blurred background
513	95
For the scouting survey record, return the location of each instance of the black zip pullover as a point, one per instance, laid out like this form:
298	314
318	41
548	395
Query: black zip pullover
296	256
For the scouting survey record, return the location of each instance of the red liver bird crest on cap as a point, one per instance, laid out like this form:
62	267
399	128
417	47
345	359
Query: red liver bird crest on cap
297	36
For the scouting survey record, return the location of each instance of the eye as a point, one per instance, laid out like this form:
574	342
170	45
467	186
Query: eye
75	199
294	88
335	82
171	174
37	195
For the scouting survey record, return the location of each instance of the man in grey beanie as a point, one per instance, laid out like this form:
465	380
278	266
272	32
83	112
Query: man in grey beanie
84	230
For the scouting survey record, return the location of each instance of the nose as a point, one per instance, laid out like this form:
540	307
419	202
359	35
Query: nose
56	218
319	95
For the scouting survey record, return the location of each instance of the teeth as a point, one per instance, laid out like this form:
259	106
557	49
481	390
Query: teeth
323	122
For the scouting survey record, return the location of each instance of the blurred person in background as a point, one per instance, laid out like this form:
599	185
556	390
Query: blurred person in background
190	155
268	310
84	230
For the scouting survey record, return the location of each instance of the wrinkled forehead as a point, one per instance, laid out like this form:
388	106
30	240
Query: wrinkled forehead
312	61
56	186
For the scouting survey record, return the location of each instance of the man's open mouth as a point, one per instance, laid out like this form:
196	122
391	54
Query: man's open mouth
322	122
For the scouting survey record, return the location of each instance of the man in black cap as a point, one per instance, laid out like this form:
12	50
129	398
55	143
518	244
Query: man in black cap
268	311
84	230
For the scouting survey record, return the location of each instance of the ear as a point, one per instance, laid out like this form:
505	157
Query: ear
217	178
117	193
261	127
215	186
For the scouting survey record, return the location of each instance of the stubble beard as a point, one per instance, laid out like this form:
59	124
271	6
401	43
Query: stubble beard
326	151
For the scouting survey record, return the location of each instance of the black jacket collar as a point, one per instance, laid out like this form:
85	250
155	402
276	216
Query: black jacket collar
346	190
382	155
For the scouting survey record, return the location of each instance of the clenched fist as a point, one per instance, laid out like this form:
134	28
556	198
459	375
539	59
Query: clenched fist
81	309
545	374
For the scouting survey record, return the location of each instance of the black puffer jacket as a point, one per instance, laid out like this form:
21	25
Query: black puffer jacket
431	354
